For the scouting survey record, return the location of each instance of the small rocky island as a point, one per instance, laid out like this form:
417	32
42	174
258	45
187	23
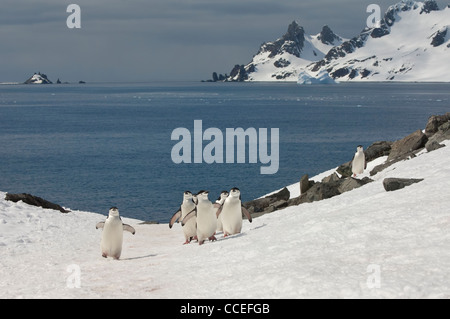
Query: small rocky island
41	78
38	78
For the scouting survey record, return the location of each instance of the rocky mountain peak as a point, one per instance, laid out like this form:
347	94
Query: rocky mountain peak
292	42
327	36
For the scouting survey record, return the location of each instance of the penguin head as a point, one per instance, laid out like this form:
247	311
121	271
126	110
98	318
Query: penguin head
223	195
203	195
360	148
187	195
235	192
114	211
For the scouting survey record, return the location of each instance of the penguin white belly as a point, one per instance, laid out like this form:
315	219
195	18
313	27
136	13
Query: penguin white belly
358	164
190	228
206	222
112	238
219	223
232	218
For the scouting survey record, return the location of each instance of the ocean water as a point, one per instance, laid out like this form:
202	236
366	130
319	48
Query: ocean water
90	147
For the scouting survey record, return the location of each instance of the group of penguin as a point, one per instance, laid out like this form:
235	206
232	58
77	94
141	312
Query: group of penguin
201	219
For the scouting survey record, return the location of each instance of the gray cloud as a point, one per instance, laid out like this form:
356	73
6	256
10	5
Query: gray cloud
139	40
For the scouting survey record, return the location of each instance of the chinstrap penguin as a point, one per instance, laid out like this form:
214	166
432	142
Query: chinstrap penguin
190	228
359	163
231	212
206	218
112	235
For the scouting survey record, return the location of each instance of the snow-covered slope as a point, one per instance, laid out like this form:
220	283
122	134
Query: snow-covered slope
411	44
361	244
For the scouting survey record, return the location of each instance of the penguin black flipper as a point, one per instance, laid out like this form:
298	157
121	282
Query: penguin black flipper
189	216
100	225
174	218
219	209
129	229
246	213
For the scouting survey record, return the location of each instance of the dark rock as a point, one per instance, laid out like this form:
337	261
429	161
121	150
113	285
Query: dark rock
34	201
340	73
284	194
393	184
429	5
281	63
345	169
351	183
378	149
327	36
388	163
269	203
305	184
332	178
433	145
439	38
441	135
319	191
434	122
408	144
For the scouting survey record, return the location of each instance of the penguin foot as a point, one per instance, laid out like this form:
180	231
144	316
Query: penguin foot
201	242
212	238
187	242
104	255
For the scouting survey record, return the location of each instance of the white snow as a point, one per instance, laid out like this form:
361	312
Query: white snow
406	54
366	243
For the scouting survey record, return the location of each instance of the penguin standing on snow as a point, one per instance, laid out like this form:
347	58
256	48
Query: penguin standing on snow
188	206
231	212
206	218
112	235
359	163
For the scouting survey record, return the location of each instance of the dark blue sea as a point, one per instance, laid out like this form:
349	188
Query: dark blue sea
93	146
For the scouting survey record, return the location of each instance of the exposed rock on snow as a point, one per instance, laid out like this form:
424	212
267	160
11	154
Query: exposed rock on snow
408	144
393	184
34	201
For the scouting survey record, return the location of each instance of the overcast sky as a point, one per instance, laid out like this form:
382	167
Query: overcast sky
147	40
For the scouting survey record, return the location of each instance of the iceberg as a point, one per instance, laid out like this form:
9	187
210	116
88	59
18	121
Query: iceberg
321	78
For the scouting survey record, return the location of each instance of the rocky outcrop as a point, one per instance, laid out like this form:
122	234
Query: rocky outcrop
438	130
393	184
377	149
442	134
329	187
434	122
410	143
269	203
34	201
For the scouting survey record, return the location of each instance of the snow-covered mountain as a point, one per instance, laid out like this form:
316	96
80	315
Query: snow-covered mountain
411	43
283	59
